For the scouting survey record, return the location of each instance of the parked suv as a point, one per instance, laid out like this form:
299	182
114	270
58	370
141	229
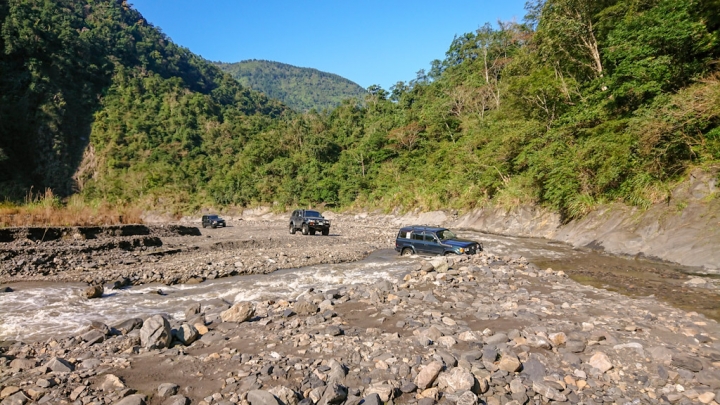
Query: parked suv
213	221
419	239
308	222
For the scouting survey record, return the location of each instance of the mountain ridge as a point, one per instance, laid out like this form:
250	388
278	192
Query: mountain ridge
300	88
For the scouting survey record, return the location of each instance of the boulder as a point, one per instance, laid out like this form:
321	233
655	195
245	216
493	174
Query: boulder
261	397
334	394
59	365
135	399
128	325
94	291
509	362
240	312
167	389
186	334
428	374
155	333
303	307
457	380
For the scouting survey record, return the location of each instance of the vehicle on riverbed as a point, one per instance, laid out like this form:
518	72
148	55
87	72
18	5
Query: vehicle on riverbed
213	221
308	222
420	239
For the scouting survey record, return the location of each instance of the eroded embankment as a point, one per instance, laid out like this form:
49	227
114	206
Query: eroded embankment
685	229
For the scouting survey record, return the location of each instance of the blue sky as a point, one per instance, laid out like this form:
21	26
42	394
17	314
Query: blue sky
366	41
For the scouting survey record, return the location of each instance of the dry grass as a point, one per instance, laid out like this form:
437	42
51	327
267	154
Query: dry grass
47	210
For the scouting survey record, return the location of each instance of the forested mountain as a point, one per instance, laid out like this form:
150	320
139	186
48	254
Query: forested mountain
585	102
302	89
93	77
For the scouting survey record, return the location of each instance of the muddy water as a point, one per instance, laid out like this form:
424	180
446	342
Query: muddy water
36	311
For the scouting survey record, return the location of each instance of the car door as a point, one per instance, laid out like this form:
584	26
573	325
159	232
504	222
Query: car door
418	242
433	245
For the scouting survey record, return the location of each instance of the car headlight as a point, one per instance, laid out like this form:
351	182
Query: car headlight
461	250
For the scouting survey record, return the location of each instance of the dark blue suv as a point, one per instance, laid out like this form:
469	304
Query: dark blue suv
419	239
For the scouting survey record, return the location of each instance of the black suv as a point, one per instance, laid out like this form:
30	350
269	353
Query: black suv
419	239
309	222
213	221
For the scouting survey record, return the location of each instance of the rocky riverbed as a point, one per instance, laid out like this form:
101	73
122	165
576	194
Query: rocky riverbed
463	330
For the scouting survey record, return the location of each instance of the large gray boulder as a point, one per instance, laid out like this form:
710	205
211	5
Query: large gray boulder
240	312
155	333
186	334
60	365
261	397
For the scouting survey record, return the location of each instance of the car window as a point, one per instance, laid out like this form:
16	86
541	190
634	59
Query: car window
429	237
312	214
446	234
417	235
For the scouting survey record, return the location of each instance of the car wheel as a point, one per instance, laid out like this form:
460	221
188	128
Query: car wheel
292	229
326	232
450	253
305	229
406	252
213	226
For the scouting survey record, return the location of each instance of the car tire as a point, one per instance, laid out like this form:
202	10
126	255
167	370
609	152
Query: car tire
213	226
305	229
292	229
450	254
407	252
326	232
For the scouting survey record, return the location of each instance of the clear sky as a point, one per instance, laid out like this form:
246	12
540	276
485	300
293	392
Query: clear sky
366	41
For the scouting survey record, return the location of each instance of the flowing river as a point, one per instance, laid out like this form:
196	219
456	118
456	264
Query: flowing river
37	310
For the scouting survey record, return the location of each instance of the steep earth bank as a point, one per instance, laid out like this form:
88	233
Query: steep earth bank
685	229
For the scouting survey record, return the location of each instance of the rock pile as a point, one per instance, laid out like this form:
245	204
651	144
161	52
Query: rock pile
461	330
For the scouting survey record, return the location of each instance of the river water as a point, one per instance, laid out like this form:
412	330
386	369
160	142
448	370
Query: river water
37	311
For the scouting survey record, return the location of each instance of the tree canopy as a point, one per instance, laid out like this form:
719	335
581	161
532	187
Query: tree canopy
584	102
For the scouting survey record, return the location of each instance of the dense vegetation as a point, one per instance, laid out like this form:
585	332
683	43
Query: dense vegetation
585	102
94	78
301	89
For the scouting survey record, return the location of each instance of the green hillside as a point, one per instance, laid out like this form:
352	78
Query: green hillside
584	103
302	89
95	99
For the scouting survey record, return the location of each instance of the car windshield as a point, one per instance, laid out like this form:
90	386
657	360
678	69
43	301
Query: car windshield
212	217
313	214
446	234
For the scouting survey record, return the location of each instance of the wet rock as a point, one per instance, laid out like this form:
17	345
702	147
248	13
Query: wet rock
155	333
240	312
95	291
129	325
